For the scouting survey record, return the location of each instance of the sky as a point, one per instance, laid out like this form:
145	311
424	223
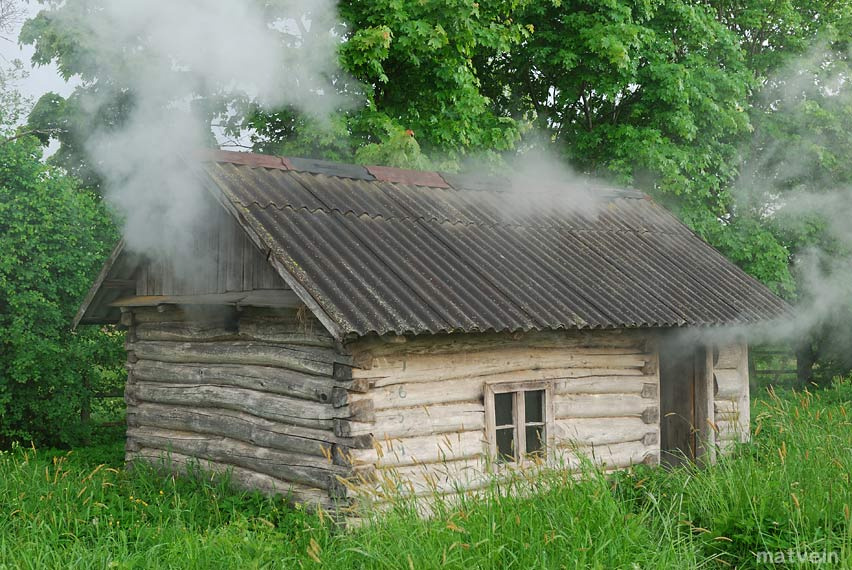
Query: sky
41	79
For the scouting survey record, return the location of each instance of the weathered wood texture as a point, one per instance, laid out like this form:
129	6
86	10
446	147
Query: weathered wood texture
422	402
731	400
221	259
249	391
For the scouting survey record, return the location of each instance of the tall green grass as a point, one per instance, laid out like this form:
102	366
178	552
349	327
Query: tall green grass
788	490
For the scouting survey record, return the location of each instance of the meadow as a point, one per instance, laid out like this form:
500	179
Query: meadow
787	494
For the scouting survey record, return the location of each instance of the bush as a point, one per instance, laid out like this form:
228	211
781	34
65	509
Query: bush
53	238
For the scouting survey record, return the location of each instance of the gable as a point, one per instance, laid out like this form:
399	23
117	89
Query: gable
221	259
220	267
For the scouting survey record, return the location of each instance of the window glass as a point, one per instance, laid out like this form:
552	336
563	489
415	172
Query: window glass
535	436
503	409
534	406
506	444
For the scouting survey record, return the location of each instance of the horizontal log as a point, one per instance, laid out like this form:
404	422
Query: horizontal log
729	429
288	331
601	405
235	425
601	431
625	340
379	378
306	470
731	356
422	450
725	406
471	390
411	422
452	477
421	394
175	313
265	330
414	368
612	456
393	483
605	385
260	378
730	384
184	331
732	416
239	477
272	407
302	359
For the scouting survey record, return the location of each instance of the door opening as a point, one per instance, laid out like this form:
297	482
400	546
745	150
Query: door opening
686	401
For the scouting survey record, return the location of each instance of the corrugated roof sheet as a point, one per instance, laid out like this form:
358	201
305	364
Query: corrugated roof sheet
379	256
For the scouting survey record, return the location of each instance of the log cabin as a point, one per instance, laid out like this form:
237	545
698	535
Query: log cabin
353	321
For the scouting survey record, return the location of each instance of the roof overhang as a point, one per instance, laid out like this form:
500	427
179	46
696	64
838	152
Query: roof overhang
115	281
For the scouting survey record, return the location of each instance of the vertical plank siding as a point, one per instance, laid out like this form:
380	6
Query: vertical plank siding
221	260
255	401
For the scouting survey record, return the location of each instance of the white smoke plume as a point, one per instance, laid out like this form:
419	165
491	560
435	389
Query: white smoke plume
541	183
170	55
787	181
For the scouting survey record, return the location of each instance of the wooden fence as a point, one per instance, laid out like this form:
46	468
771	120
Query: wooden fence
772	365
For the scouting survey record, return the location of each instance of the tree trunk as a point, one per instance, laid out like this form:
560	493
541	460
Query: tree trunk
805	359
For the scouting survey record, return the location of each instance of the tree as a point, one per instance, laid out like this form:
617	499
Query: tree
409	66
651	94
671	96
53	238
11	12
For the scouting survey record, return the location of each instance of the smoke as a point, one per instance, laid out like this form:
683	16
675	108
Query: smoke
173	61
797	178
541	184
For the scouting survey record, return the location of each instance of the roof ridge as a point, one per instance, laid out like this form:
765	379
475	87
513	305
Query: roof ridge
452	222
391	174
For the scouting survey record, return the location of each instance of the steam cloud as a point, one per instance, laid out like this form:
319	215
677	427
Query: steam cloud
782	183
171	55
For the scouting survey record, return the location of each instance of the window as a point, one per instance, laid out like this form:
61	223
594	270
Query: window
517	416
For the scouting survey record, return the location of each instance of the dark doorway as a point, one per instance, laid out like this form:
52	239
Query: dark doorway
685	401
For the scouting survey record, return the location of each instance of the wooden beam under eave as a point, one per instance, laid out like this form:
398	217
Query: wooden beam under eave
270	298
120	284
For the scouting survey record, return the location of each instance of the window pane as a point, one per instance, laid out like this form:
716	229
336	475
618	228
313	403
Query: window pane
534	406
503	409
506	444
535	437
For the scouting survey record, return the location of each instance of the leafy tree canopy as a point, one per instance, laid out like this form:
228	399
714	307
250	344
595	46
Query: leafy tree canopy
705	105
53	237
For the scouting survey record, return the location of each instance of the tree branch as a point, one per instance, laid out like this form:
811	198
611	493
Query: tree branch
586	111
23	134
11	13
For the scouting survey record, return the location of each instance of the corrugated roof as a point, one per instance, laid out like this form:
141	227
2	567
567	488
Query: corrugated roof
384	251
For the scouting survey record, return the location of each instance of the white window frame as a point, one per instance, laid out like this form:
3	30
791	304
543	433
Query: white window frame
518	416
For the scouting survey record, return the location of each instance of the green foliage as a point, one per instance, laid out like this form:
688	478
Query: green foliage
789	489
400	149
418	60
651	94
722	110
53	237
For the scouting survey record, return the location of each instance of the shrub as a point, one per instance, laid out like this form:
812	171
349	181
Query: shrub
53	237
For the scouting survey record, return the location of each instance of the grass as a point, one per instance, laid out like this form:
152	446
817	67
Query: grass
788	490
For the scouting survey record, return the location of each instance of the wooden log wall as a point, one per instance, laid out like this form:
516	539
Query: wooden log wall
250	393
731	403
422	402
